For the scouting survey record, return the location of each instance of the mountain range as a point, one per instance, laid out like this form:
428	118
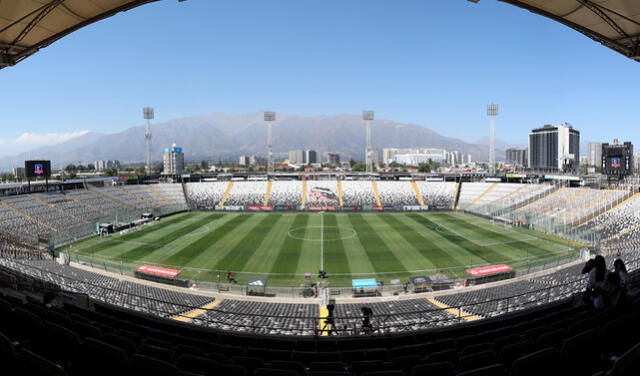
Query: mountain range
220	136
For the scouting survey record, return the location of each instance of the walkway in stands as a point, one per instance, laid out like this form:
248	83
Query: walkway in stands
226	194
375	190
267	194
160	195
491	187
416	189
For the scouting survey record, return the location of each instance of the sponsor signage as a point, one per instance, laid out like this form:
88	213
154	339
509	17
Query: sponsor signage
415	208
155	270
230	208
259	208
487	270
516	176
322	208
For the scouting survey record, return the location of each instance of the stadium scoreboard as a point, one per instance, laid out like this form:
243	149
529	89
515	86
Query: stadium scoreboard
617	159
37	169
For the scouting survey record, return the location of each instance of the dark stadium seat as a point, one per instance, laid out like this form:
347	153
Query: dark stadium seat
275	372
510	353
30	363
434	369
493	370
288	365
360	367
144	365
99	357
478	360
545	362
196	364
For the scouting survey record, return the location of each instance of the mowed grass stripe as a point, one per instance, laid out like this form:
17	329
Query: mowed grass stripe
144	250
482	252
196	247
500	238
380	256
335	255
108	243
237	258
436	255
287	260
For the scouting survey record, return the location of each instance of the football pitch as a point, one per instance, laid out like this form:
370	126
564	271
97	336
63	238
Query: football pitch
282	247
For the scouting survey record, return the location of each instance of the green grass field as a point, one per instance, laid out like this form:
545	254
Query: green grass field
281	247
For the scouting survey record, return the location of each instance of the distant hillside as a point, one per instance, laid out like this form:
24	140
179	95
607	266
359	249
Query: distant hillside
225	136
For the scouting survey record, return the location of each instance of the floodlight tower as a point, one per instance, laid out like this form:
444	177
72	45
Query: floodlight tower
492	112
147	112
269	117
367	116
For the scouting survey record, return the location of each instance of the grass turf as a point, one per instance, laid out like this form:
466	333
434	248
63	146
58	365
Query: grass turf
281	247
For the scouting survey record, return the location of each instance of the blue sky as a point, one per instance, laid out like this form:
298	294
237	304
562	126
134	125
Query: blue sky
433	63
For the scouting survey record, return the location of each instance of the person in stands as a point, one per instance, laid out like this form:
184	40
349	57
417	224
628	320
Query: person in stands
620	269
616	293
597	282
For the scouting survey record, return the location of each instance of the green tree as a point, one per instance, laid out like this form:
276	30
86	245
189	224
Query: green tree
359	167
204	165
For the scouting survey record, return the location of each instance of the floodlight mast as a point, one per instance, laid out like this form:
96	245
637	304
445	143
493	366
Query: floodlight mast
492	112
148	115
269	118
367	116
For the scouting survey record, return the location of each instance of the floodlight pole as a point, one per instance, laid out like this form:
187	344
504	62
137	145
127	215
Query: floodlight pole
269	118
492	112
148	115
367	116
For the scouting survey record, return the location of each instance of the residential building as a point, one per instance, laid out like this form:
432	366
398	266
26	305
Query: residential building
173	160
554	147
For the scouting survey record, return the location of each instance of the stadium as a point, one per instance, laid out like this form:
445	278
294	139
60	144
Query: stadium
320	274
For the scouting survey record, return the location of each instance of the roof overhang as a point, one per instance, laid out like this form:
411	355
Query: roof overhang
613	23
26	26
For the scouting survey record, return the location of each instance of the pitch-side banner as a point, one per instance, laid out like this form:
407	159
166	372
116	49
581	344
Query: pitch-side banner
415	208
171	273
259	208
486	270
230	208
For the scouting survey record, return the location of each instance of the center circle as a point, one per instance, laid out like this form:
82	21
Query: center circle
330	233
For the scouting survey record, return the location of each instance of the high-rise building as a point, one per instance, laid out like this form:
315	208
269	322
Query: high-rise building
333	158
18	172
103	165
311	156
595	154
297	157
516	157
436	155
244	160
554	147
173	160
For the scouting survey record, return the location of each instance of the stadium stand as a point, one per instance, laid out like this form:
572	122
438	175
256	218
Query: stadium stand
323	193
358	193
288	193
438	195
247	193
396	193
205	196
65	339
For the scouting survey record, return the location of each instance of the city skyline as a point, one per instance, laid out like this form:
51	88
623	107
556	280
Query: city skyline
336	62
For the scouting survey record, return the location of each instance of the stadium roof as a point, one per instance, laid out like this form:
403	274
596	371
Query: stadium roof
29	25
614	23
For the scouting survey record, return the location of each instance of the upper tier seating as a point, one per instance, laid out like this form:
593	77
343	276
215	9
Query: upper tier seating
396	193
288	193
438	195
358	193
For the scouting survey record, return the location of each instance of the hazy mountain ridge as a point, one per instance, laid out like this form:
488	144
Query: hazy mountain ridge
219	136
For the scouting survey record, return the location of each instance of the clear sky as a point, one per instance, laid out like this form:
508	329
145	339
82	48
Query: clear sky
435	63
